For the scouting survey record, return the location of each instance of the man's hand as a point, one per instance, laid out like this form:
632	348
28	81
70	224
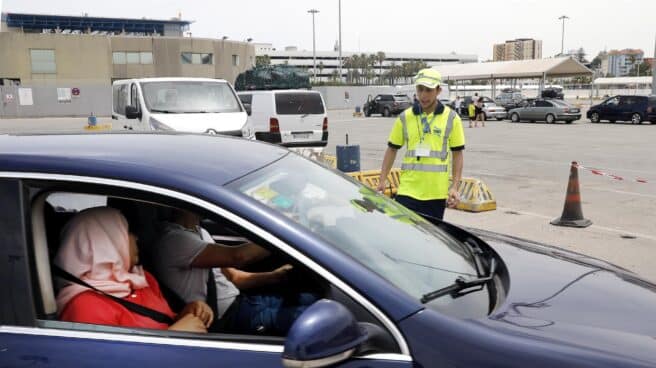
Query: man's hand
280	273
189	323
454	198
199	309
381	187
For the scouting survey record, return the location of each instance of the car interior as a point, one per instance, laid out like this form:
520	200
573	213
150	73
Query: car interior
52	208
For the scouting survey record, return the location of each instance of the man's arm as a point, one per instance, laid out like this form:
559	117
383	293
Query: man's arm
247	280
217	255
458	162
388	161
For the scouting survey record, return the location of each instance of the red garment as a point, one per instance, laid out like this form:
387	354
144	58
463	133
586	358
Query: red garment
91	307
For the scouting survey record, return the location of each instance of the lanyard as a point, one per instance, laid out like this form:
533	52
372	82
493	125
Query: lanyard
425	124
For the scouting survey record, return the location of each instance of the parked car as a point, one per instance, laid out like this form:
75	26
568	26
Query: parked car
553	92
492	111
397	290
197	105
466	100
291	118
386	104
550	111
509	100
635	109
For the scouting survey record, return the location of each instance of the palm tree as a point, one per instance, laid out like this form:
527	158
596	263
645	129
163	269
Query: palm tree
320	66
380	58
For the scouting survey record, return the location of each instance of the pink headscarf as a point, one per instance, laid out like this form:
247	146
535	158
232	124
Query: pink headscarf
96	249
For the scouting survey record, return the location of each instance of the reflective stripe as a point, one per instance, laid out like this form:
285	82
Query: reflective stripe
425	167
444	153
405	127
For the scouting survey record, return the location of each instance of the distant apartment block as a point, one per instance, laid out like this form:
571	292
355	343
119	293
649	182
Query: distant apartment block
519	49
619	63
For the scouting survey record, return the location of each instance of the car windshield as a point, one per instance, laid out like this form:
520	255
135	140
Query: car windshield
384	236
189	97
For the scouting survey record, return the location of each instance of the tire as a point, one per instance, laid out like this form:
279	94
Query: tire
612	121
367	113
568	121
387	113
636	118
514	117
594	117
550	119
499	119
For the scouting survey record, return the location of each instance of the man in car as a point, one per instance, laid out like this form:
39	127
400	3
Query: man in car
186	256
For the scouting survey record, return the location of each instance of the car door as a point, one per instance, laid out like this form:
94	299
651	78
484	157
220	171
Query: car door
626	107
30	333
609	109
542	109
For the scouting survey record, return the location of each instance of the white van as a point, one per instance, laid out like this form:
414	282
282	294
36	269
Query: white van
292	118
197	105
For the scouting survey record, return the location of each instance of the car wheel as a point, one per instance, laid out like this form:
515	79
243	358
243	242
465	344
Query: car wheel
594	117
612	121
550	119
367	113
514	117
386	112
499	119
636	118
568	121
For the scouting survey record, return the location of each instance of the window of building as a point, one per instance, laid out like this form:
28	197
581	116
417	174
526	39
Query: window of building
118	57
132	57
235	60
146	57
43	61
196	58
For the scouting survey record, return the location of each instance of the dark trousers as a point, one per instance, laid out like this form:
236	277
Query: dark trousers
434	208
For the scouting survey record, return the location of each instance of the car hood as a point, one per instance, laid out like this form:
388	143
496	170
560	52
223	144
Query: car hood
568	297
202	122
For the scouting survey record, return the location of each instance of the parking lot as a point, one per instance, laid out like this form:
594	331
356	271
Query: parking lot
526	166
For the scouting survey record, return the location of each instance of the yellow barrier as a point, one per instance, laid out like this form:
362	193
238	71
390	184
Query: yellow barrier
371	178
98	127
475	196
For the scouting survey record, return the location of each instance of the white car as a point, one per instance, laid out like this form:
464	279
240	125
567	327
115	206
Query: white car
494	111
291	118
197	105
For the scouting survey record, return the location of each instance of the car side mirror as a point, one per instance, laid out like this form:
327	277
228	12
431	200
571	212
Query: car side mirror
248	109
131	112
325	334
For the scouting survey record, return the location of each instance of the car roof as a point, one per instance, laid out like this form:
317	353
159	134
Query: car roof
278	91
172	158
170	79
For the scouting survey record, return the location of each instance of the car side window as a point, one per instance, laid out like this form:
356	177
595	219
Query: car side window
149	218
613	101
543	104
134	96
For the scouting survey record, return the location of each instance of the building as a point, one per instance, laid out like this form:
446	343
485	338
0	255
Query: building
328	61
49	54
619	63
519	49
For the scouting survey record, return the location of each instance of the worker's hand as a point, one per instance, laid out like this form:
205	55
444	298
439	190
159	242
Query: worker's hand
199	309
281	273
381	187
189	323
453	199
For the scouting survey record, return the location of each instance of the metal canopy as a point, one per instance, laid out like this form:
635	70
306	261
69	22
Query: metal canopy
538	68
39	21
623	80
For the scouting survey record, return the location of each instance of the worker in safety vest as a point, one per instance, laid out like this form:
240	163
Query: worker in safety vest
431	133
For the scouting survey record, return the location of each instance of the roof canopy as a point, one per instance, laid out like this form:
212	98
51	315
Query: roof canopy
555	67
623	80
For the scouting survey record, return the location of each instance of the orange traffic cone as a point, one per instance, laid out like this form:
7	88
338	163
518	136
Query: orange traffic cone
572	214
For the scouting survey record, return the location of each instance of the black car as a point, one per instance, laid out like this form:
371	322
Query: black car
386	104
635	109
553	92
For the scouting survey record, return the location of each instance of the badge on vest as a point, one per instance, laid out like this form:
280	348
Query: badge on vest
423	149
437	131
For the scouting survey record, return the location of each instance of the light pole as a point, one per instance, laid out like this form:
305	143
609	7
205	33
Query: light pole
562	41
340	38
314	46
653	71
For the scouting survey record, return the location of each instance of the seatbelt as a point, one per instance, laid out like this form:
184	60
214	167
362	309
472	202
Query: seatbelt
156	316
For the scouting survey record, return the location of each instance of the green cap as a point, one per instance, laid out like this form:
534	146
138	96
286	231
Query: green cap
428	77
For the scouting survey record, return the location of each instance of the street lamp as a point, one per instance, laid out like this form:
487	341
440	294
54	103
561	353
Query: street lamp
314	45
340	38
562	41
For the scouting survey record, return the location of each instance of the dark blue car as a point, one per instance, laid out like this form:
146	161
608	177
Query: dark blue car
635	109
396	290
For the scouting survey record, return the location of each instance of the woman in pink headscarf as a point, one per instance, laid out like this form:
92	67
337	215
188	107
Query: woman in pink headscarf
98	249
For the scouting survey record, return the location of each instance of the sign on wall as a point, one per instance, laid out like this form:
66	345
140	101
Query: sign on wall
25	97
63	95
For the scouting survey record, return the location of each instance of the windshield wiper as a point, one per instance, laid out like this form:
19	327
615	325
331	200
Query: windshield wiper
460	284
